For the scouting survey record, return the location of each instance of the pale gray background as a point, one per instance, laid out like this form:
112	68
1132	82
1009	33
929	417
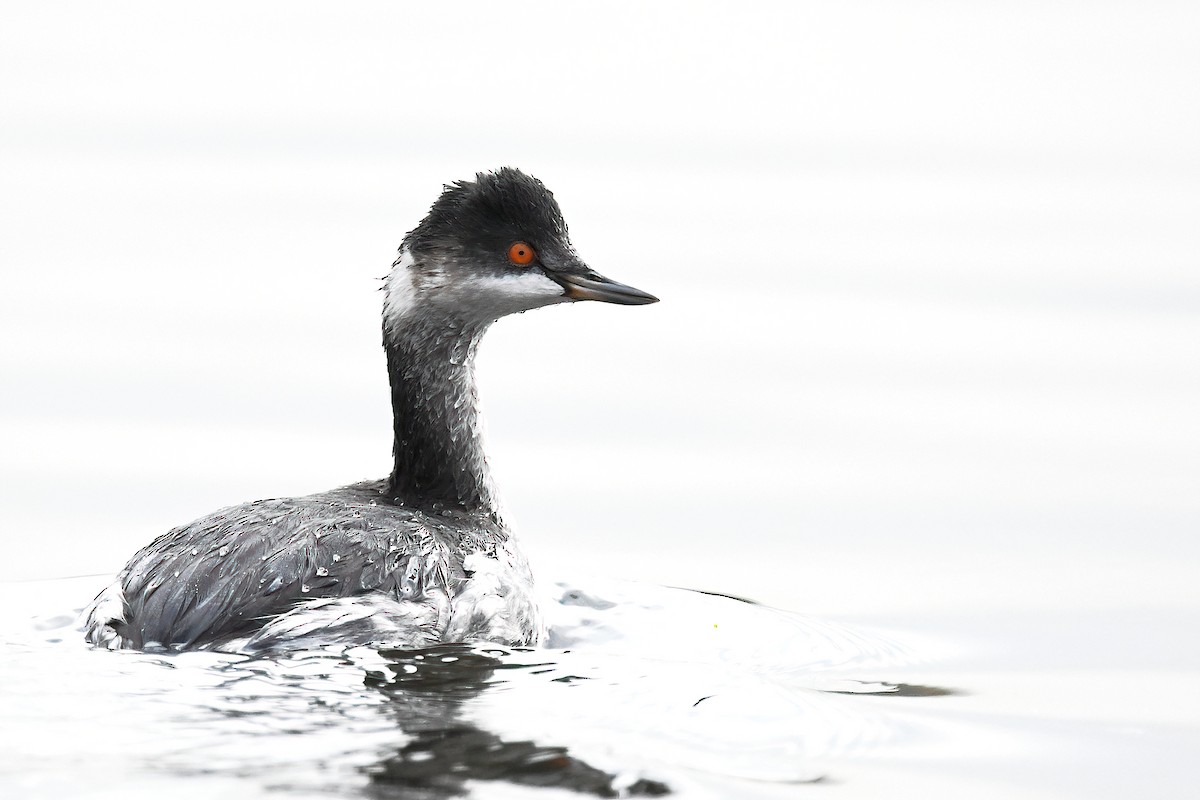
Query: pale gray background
928	351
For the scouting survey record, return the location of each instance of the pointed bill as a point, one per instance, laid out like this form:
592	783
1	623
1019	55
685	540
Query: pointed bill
594	286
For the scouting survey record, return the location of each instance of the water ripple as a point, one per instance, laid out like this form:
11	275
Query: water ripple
639	691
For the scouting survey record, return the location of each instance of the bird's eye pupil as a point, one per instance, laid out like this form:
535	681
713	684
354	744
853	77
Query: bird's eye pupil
520	253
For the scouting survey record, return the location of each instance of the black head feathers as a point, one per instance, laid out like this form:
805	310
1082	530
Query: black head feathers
496	207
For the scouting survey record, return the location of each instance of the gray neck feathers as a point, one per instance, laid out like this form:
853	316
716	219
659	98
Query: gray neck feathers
439	461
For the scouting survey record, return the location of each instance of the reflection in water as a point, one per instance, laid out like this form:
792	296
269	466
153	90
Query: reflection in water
642	691
428	688
893	689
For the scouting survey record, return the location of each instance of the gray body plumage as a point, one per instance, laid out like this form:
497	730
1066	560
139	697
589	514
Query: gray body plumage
424	555
343	566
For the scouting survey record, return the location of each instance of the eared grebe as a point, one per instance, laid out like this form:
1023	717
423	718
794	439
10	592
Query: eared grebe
422	556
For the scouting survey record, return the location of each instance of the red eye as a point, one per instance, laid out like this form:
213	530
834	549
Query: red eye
520	254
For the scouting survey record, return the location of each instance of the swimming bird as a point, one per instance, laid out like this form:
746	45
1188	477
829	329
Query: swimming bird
424	555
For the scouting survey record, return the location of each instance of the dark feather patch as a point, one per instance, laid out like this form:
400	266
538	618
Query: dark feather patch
489	213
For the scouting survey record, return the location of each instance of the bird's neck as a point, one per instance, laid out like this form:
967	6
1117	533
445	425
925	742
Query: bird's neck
439	461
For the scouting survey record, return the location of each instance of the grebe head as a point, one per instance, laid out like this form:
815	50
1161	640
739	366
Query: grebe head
493	246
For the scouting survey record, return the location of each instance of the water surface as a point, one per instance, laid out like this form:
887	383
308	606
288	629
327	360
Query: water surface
639	691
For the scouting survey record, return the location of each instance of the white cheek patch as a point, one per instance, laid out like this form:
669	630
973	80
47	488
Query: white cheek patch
400	292
408	288
479	297
506	294
485	298
489	297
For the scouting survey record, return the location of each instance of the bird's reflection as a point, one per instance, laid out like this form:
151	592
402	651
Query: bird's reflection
755	697
427	689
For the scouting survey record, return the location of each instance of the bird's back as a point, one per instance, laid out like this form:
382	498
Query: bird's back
226	575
